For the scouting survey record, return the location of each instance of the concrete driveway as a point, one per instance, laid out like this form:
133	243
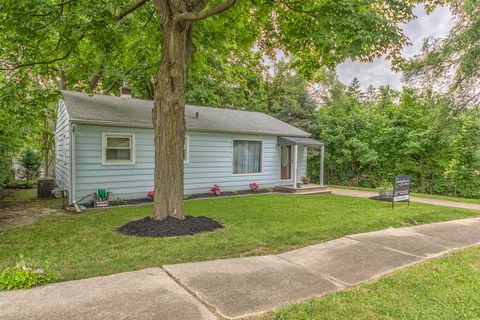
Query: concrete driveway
242	287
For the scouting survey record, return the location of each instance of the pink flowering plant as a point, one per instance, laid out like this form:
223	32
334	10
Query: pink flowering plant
254	186
150	195
215	190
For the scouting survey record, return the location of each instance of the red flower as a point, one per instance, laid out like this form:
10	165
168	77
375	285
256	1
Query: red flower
215	190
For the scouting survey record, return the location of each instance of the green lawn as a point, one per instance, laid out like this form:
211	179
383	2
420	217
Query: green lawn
416	194
443	288
85	245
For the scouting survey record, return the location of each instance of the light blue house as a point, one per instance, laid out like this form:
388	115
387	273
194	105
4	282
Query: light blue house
107	142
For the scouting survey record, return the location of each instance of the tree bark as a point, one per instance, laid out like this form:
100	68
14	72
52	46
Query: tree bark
176	18
169	111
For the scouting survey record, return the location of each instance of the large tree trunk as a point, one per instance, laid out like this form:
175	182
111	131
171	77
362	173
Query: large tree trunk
169	113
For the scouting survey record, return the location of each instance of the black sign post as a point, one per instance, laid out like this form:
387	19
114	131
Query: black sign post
401	190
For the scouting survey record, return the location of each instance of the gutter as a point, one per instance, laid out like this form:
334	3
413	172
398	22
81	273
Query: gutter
149	126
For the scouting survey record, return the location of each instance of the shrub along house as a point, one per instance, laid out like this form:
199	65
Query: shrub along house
106	142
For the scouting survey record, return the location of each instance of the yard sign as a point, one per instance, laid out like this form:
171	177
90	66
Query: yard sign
401	190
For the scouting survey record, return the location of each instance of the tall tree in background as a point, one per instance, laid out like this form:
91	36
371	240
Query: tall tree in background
288	98
354	89
452	64
371	94
84	40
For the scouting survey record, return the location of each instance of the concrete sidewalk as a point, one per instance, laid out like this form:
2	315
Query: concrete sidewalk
241	287
437	202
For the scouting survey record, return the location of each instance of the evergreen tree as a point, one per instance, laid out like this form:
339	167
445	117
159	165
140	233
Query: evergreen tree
288	98
371	94
355	90
31	164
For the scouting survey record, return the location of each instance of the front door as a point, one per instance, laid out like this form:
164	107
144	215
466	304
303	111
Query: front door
285	162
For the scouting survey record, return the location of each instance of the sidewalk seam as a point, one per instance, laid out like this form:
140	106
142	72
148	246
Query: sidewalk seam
209	307
336	281
405	230
383	247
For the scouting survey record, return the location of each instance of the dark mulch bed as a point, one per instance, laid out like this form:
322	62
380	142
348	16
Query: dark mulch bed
192	196
228	194
380	199
169	227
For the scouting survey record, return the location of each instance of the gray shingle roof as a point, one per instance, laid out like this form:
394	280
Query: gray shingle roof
129	112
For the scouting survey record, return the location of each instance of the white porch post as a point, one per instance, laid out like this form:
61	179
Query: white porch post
322	160
295	165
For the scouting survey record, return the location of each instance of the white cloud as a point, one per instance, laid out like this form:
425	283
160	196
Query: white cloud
379	72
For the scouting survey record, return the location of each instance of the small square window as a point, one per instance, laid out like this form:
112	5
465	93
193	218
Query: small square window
118	148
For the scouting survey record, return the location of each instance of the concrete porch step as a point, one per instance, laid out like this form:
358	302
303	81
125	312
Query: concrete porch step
305	189
315	192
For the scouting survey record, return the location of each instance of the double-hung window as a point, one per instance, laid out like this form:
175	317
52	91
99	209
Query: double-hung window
118	148
247	157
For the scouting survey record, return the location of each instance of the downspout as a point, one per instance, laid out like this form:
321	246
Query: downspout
72	163
322	163
295	164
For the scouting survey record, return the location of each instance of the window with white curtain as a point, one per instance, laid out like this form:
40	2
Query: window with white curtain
247	157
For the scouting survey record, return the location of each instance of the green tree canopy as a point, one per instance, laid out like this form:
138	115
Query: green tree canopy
452	64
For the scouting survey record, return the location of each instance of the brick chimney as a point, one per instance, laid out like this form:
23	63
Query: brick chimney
125	92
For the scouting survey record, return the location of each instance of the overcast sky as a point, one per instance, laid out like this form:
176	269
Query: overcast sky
378	72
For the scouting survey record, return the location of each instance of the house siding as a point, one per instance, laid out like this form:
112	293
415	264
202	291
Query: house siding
62	166
210	162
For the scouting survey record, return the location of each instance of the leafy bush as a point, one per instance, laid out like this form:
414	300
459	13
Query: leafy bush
385	190
23	184
269	189
305	180
186	196
6	172
31	164
118	202
27	273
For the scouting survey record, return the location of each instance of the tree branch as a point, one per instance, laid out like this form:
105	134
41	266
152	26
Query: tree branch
135	6
116	82
61	4
195	16
63	80
34	63
149	18
119	17
93	82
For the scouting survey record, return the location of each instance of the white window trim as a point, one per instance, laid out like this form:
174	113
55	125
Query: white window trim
262	156
131	136
187	150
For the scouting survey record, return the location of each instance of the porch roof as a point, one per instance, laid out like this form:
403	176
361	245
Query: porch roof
288	141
